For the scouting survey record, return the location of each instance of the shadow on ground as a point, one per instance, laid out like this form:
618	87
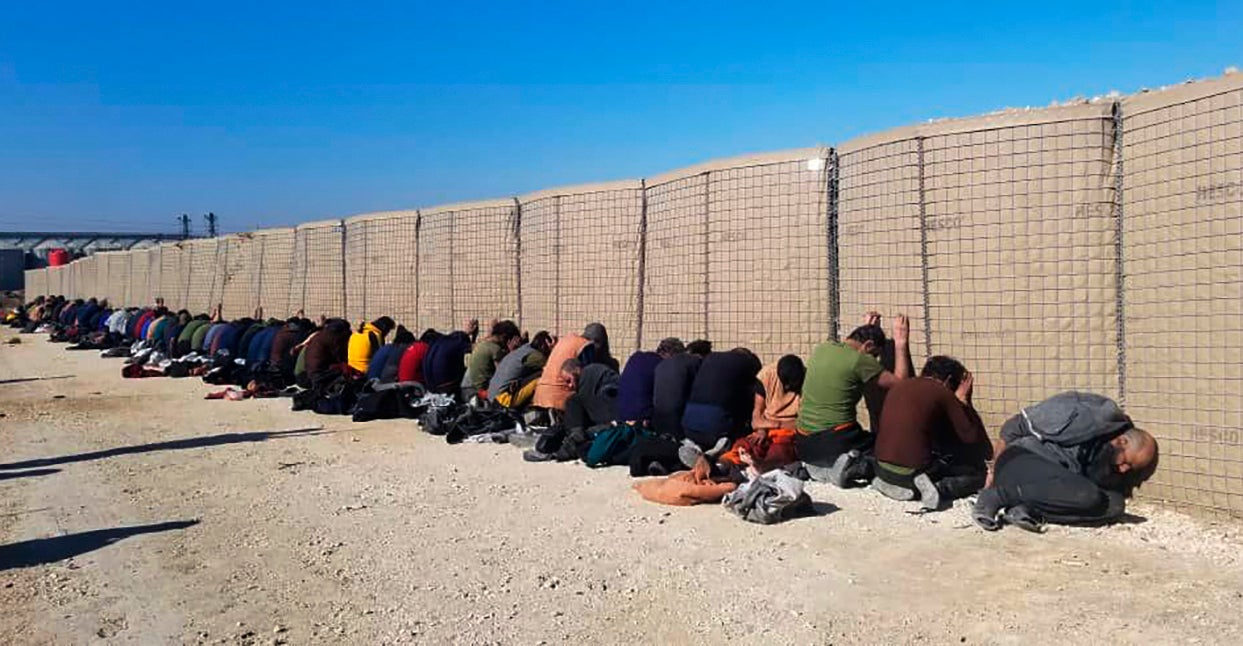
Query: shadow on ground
20	380
27	474
172	445
41	551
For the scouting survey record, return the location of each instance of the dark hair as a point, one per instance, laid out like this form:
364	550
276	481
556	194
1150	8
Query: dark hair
385	324
865	333
402	335
505	330
670	346
946	369
572	366
701	347
791	372
542	341
429	336
751	358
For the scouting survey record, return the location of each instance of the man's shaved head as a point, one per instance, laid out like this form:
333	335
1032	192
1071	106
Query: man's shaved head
1137	450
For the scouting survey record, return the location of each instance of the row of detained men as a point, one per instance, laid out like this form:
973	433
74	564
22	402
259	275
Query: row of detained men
1073	458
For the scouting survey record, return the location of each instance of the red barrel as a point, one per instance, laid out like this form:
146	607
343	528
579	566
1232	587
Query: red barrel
57	257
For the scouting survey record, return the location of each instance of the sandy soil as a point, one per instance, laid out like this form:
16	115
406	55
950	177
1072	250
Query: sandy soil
377	533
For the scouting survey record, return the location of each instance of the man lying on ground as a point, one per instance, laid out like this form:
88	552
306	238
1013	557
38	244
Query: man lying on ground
637	384
591	405
410	368
778	396
673	379
831	443
387	359
931	444
592	346
1071	459
503	338
364	343
718	410
513	384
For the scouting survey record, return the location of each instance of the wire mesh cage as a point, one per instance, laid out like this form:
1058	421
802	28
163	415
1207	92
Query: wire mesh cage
1182	152
1021	253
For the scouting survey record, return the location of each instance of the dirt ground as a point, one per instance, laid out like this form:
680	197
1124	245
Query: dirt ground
134	511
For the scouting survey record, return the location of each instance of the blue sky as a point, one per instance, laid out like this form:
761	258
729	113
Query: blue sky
122	115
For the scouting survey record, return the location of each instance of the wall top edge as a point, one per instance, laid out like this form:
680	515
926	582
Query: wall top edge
583	189
469	206
1094	110
741	161
1147	101
381	215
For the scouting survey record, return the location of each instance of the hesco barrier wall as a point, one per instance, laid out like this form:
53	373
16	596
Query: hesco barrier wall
1096	246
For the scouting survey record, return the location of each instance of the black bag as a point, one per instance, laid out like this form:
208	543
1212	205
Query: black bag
477	421
389	402
436	420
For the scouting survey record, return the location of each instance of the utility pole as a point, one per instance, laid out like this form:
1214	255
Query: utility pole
211	224
185	226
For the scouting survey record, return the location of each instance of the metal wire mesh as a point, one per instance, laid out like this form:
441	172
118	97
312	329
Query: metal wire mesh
201	279
274	274
435	269
540	245
1183	254
675	285
879	239
575	241
139	290
768	282
357	269
320	248
174	275
1021	256
119	268
485	267
237	285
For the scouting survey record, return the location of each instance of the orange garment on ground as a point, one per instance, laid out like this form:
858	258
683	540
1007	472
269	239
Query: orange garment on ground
773	450
552	390
683	489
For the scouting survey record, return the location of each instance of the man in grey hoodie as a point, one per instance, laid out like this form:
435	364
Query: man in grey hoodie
1071	459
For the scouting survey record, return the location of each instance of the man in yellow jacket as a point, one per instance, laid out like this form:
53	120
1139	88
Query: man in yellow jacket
365	342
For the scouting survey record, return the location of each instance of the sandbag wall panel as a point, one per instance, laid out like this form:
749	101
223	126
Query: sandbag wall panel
1022	254
598	264
201	278
387	256
274	274
675	296
174	276
357	270
768	265
540	245
237	292
435	275
139	292
1183	259
485	266
321	249
879	243
36	284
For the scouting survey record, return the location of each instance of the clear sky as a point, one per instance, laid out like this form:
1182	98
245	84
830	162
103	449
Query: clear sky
122	115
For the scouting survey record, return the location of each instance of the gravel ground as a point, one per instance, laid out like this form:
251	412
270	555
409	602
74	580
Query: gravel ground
134	511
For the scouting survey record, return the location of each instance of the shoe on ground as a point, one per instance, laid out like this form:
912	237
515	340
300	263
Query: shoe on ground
1022	517
531	455
689	453
839	473
892	491
987	510
929	495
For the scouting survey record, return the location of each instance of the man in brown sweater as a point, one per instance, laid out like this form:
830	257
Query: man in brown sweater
931	444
